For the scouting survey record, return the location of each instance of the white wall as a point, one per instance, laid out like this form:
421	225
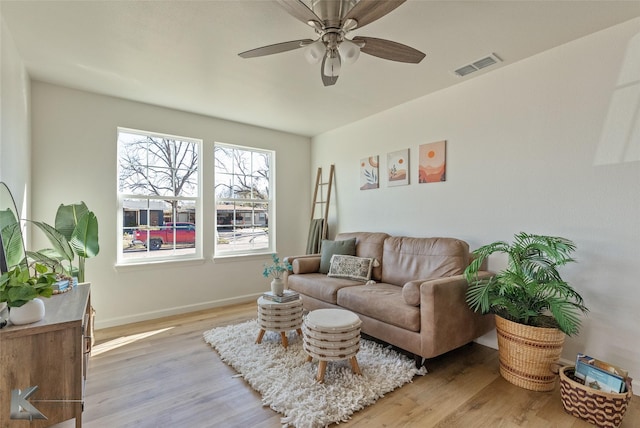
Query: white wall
530	148
14	121
74	159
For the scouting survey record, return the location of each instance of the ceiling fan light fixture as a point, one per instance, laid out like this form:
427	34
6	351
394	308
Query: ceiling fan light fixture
332	64
349	51
332	20
315	24
349	24
314	52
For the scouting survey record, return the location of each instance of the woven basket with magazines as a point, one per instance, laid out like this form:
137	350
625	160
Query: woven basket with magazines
603	409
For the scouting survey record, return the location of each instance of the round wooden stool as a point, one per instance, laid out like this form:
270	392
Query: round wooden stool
280	317
330	335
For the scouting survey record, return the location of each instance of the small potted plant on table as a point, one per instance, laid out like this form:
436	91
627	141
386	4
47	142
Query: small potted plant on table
276	270
21	291
534	306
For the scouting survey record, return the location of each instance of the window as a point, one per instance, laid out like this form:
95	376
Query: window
244	194
159	197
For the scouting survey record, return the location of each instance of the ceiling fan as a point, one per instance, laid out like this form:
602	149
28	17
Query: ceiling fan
332	20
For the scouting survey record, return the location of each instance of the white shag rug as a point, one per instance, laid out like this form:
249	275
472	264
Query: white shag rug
287	382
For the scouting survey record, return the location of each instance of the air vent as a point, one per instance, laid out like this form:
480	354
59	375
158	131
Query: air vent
477	65
467	69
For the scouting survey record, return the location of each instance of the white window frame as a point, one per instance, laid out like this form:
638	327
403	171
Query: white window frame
147	257
219	250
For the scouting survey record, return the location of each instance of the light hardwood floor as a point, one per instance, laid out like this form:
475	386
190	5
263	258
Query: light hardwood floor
161	373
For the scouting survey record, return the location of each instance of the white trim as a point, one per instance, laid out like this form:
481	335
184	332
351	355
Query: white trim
145	316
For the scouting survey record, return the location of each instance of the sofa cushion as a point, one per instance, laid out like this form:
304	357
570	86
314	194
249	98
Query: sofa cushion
305	265
368	244
411	292
383	302
339	246
408	259
319	286
351	267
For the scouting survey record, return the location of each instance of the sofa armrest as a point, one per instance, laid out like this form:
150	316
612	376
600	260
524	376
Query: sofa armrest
447	322
308	263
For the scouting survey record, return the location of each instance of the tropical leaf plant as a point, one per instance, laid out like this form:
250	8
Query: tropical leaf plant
75	234
13	245
530	290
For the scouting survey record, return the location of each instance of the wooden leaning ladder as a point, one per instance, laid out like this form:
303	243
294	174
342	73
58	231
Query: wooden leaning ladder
320	201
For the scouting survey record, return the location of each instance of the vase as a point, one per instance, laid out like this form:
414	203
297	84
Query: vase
277	286
28	313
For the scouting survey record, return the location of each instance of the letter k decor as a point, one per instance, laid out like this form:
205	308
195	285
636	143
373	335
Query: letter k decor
21	408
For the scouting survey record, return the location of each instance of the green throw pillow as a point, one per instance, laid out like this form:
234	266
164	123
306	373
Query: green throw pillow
329	248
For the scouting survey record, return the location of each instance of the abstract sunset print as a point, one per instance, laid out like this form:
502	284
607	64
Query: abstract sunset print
432	164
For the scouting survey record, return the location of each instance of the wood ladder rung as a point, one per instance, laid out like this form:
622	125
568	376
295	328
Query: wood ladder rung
320	183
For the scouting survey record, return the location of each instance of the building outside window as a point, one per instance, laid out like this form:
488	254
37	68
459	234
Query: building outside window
244	195
159	197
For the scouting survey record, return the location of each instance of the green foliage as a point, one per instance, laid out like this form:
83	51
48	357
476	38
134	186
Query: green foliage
75	234
12	241
277	268
18	286
530	290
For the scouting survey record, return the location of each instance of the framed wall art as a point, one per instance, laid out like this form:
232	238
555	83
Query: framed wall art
369	178
398	168
432	162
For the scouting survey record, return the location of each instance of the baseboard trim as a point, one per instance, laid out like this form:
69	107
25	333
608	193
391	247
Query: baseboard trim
489	339
146	316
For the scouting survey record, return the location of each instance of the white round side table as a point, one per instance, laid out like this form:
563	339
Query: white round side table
280	317
330	335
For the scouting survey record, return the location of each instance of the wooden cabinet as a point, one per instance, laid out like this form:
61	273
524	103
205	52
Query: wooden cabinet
51	354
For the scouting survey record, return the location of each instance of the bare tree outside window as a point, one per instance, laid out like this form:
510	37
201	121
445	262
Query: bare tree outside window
243	192
158	187
159	166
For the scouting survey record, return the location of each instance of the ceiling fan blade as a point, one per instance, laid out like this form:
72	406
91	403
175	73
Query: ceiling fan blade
274	49
327	80
299	10
367	11
387	49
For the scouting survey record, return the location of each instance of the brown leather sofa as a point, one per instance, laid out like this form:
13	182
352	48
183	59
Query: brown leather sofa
415	299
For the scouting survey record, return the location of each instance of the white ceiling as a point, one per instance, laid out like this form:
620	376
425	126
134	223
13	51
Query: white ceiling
183	54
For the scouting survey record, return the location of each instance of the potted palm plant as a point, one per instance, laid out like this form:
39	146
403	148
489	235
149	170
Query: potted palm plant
534	307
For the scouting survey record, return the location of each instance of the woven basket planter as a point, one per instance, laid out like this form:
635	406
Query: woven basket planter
529	356
603	409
